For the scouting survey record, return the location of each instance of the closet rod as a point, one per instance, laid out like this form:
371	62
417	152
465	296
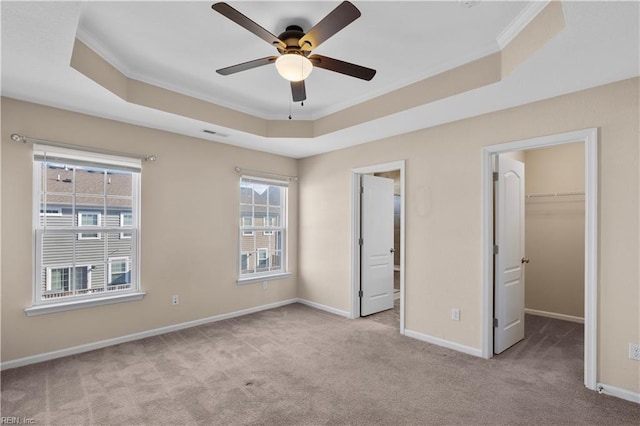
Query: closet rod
24	139
555	194
258	172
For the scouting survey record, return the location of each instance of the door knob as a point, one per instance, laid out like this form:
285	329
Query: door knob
524	260
392	250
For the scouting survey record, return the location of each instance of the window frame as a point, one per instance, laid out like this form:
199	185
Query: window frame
125	259
125	235
259	259
83	236
250	224
267	229
48	283
44	155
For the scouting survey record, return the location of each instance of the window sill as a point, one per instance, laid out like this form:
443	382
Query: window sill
261	278
80	304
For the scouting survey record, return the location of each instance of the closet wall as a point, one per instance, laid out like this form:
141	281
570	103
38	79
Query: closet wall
554	229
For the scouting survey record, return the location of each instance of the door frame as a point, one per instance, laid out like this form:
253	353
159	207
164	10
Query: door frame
590	139
355	234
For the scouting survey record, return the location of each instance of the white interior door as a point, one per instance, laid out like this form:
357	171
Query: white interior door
509	261
376	255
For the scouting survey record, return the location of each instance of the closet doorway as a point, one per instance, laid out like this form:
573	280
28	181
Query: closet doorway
392	171
588	139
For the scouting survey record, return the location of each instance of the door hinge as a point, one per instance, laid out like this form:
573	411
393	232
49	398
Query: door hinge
360	293
495	176
360	241
495	249
495	322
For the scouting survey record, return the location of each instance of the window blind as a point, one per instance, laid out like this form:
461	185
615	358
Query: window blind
262	181
83	158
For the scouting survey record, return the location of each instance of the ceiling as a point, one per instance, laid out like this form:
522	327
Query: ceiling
179	45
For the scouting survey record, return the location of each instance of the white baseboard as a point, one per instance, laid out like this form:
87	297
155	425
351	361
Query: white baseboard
444	343
137	336
554	315
324	308
618	392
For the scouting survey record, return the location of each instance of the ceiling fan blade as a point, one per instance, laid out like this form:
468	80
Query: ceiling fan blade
247	65
336	20
342	67
298	91
229	12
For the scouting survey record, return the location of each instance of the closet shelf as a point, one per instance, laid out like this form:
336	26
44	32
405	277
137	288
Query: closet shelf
555	194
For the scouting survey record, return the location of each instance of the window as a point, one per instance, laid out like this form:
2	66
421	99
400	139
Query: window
262	228
247	222
89	219
51	212
119	271
86	214
126	219
263	259
62	280
244	262
268	221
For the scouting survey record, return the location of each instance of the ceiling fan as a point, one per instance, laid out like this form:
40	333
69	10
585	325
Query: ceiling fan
295	46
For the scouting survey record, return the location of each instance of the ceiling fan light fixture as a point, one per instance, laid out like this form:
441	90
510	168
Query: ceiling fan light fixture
294	67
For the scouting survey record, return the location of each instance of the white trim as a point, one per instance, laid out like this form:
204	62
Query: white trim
355	234
324	308
618	392
444	343
136	336
50	308
520	22
590	139
554	315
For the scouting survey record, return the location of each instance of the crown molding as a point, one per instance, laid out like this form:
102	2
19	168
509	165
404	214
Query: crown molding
521	21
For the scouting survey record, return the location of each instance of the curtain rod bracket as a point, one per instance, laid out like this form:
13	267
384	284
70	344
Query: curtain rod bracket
17	138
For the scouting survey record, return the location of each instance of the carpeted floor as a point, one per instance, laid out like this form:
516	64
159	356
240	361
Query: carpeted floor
390	317
299	366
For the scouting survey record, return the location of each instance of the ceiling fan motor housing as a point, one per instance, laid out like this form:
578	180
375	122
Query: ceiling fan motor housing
291	37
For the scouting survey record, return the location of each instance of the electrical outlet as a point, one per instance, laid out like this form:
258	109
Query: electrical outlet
174	299
455	314
634	351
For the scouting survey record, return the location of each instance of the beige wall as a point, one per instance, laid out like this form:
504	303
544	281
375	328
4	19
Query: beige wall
189	237
443	218
186	224
554	230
